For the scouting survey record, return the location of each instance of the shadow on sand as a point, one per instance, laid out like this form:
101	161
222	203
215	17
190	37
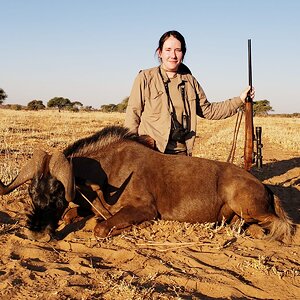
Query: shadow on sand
286	189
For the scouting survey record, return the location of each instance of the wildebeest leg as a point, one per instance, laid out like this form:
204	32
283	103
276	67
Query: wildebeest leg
225	213
75	214
267	219
123	219
254	222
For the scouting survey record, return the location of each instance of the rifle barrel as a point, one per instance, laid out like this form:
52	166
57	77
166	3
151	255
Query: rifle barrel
249	131
249	63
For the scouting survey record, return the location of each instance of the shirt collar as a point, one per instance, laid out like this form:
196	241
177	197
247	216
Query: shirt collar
180	77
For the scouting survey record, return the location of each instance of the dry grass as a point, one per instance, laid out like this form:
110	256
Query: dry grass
215	137
22	131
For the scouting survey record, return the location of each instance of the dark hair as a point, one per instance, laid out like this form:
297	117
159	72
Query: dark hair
177	36
48	203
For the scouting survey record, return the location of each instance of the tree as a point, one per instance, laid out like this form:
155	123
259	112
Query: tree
76	104
87	108
16	107
108	108
121	107
36	105
261	107
60	103
3	96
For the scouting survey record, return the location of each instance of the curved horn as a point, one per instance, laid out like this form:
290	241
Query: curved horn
62	170
35	165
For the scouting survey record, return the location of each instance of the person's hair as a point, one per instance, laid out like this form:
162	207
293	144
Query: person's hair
177	36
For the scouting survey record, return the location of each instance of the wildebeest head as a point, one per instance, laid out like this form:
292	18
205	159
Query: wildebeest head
52	187
48	203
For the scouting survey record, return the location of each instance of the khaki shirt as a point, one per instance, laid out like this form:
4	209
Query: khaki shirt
148	111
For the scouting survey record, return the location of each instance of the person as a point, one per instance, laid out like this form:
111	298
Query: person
165	100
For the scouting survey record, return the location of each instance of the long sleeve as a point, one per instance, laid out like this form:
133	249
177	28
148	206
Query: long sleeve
215	110
135	104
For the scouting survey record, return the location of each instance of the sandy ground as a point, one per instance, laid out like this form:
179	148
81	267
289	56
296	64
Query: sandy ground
157	259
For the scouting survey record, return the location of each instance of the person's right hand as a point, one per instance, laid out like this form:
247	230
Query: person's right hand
244	94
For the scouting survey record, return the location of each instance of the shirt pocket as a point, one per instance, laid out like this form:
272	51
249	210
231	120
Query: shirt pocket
154	104
191	95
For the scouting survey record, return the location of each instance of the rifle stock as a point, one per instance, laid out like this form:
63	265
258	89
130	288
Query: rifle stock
249	131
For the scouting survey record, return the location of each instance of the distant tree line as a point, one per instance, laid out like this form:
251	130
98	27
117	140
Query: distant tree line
57	102
62	103
121	107
260	107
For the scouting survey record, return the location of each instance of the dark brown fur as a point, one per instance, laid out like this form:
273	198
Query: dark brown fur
130	183
138	184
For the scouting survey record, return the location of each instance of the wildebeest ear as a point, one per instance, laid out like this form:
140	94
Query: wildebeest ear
62	170
34	166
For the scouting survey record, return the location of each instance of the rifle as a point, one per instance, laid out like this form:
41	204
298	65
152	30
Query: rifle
249	155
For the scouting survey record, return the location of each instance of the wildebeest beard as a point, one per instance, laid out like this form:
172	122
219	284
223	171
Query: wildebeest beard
48	203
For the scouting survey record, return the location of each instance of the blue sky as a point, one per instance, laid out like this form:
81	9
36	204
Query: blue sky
91	51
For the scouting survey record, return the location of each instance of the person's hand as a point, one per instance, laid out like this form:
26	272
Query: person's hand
244	94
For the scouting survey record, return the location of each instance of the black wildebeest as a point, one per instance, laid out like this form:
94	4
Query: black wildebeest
129	183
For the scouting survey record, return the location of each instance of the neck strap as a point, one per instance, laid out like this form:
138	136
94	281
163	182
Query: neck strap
182	91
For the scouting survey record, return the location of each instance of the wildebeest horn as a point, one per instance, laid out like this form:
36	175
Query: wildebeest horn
62	170
34	166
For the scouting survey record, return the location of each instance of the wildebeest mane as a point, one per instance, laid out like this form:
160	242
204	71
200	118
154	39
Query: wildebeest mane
106	136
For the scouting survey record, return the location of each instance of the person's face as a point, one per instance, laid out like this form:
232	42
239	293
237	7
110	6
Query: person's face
171	54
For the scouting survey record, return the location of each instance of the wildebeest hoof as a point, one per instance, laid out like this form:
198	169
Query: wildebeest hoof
101	231
256	231
71	216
